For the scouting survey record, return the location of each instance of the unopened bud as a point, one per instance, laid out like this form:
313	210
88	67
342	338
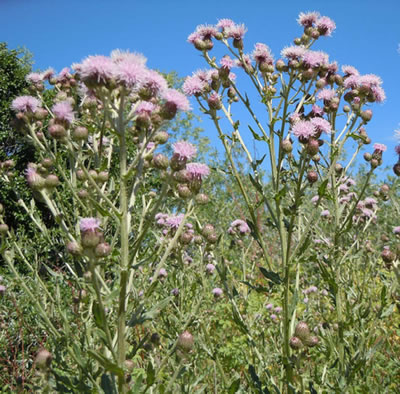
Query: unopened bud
52	181
160	161
302	331
184	191
311	341
286	145
202	198
102	250
208	229
80	133
57	131
3	228
74	248
312	147
367	156
366	115
312	176
161	137
396	168
102	176
43	359
186	341
387	255
295	343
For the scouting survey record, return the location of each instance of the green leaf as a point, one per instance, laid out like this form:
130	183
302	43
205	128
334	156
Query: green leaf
107	384
322	188
151	374
270	275
234	386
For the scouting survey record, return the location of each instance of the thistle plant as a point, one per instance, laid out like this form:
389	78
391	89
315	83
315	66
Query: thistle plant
303	114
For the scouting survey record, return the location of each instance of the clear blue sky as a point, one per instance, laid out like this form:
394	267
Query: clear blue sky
61	32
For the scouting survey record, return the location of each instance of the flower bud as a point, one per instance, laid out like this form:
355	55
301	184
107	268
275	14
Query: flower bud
311	341
346	109
177	163
384	189
295	343
367	156
280	65
387	256
91	239
185	341
212	238
41	114
160	161
312	176
102	250
338	168
43	359
396	168
80	133
3	228
186	238
1	208
286	145
374	163
302	331
366	115
52	181
312	147
102	177
161	137
184	191
214	101
74	248
202	198
47	162
207	230
57	131
198	240
83	194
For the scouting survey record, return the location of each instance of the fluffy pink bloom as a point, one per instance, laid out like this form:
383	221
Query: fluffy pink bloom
176	99
351	82
241	225
303	128
380	148
32	177
379	94
154	82
332	68
89	224
315	199
317	110
224	23
34	78
151	145
185	150
203	32
396	230
63	111
325	26
325	213
145	108
194	86
236	32
326	94
117	56
96	69
210	268
262	54
293	52
245	62
315	59
174	221
217	292
197	170
47	74
350	70
130	74
227	63
321	124
307	19
63	75
25	104
370	80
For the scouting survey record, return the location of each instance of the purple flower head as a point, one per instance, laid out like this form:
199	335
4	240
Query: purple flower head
315	59
175	292
225	23
96	69
293	52
351	82
241	225
273	317
278	309
325	26
315	199
325	213
308	19
269	307
245	62
154	82
236	32
370	80
34	78
63	75
151	145
162	273
63	111
379	94
332	68
380	148
145	108
185	150
262	54
326	94
206	32
210	268
176	99
343	188
47	74
321	125
317	110
130	74
25	104
197	170
117	56
174	221
396	230
217	292
89	224
350	70
303	128
195	84
227	63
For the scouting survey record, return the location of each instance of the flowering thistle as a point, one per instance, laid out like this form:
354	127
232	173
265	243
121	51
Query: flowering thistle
227	63
174	221
96	70
326	94
308	19
235	31
240	225
350	70
293	52
175	100
379	148
315	59
225	23
321	125
198	170
325	26
194	85
262	54
89	224
130	74
25	104
34	78
63	111
185	150
217	292
303	128
35	180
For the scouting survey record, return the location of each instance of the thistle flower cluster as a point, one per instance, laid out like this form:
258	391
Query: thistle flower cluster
302	337
239	227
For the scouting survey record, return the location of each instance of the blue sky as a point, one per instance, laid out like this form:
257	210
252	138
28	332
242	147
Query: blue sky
60	32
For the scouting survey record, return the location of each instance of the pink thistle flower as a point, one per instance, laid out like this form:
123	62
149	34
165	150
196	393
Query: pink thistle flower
396	230
89	224
321	124
176	99
269	307
356	100
227	63
25	104
350	70
232	77
34	78
278	309
325	213
315	59
130	74
317	110
193	37
397	149
174	221
370	201
225	23
245	62
63	75
241	225
117	56
380	148
194	86
32	177
47	74
262	54
326	94
217	292
303	128
370	80
185	150
210	268
63	111
96	69
294	118
293	52
325	26
151	145
154	82
367	212
332	68
197	170
351	82
162	273
379	94
315	199
343	188
307	19
206	32
146	108
236	32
